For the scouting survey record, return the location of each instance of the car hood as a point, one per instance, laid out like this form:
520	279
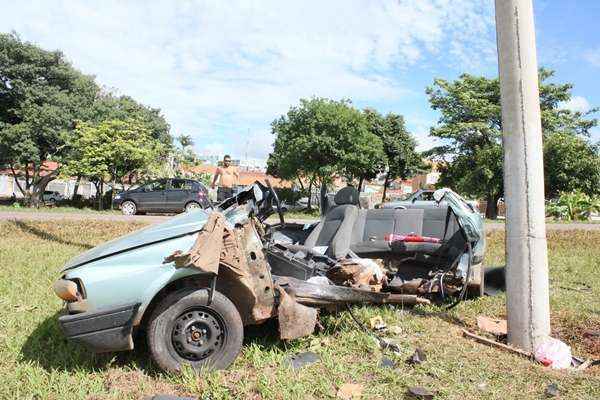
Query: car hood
180	225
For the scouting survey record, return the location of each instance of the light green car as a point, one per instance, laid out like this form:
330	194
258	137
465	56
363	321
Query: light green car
158	281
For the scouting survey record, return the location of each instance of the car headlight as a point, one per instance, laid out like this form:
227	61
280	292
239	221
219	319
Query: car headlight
118	196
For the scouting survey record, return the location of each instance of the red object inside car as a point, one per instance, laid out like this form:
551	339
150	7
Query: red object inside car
392	237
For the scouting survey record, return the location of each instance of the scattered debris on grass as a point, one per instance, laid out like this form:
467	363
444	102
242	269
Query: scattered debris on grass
388	344
583	288
350	391
417	357
553	353
552	390
302	359
497	327
377	324
387	362
395	329
419	392
493	343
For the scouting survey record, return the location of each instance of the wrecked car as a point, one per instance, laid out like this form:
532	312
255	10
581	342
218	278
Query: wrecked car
191	284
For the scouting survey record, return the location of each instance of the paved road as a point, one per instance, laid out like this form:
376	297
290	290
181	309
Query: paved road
57	216
70	216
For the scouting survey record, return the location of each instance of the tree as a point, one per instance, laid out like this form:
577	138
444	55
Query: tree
110	151
571	165
470	127
185	140
110	107
41	95
320	138
401	160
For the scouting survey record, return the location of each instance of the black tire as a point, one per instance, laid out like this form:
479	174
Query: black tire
166	329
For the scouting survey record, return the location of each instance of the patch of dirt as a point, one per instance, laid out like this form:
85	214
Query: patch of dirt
137	385
578	333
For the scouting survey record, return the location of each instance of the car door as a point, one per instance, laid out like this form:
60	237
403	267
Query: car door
151	196
177	194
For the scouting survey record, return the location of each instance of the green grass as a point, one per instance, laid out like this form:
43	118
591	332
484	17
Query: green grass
36	362
548	221
56	209
304	214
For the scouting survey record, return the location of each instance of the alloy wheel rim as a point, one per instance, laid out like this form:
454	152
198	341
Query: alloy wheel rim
129	208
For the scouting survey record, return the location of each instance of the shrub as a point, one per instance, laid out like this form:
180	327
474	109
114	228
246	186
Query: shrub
573	206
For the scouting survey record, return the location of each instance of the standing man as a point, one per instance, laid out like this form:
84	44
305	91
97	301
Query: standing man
228	177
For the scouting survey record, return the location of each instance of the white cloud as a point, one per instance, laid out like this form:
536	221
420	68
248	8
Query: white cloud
593	56
577	103
419	126
217	69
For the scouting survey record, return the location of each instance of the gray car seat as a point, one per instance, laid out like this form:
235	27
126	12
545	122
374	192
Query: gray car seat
438	222
335	229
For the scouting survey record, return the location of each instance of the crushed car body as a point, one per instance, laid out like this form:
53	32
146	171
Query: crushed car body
191	284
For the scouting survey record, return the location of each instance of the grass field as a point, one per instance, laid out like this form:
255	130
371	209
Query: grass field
57	209
37	363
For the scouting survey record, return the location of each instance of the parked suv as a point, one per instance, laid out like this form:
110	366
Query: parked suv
163	195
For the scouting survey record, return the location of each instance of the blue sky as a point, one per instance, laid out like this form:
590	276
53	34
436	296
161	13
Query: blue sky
221	71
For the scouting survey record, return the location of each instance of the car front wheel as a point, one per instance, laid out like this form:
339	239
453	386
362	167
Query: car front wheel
185	329
191	206
128	208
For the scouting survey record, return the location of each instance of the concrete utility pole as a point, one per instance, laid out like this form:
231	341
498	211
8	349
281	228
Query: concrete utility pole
526	251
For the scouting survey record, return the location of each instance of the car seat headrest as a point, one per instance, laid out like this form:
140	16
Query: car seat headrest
347	195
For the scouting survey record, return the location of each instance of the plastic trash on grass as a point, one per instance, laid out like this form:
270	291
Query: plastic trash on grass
553	353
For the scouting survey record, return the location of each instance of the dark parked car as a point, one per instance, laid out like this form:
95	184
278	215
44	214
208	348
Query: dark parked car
163	195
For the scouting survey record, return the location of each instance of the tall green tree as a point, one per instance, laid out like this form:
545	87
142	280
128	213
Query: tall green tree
41	96
321	138
571	165
110	107
401	160
470	129
110	151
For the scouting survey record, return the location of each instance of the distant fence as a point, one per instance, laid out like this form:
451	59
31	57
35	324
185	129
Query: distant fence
9	188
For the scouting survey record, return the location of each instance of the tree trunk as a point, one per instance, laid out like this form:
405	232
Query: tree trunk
385	186
323	197
27	181
12	169
491	208
360	183
301	184
98	186
310	187
100	195
40	186
76	188
112	191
